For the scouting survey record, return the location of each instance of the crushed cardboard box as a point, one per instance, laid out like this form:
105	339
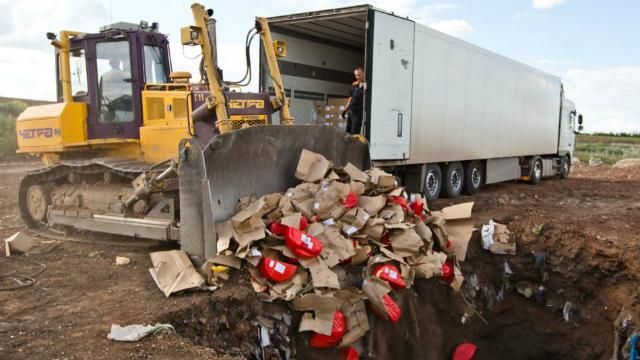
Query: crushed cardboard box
19	243
172	271
312	167
459	228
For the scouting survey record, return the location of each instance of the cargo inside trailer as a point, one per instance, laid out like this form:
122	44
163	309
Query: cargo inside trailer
323	49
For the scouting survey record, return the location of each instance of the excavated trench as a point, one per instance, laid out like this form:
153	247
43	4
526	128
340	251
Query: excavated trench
432	319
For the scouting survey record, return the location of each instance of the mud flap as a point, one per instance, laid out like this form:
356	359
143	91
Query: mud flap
256	161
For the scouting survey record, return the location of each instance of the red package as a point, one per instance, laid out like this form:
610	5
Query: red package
392	309
390	274
400	201
276	271
350	353
385	240
350	201
448	272
464	351
277	228
321	341
304	223
302	245
417	206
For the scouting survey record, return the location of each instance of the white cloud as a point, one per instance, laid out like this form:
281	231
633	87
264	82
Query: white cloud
609	97
27	73
27	66
454	27
26	22
547	4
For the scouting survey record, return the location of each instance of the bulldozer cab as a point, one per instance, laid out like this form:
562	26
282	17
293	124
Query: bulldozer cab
108	72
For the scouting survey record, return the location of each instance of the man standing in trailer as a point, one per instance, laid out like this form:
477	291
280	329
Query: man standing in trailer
356	102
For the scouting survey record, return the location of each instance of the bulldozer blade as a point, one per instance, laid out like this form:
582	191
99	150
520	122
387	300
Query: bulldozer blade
258	160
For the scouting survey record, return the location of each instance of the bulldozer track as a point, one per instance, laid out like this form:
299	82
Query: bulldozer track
123	167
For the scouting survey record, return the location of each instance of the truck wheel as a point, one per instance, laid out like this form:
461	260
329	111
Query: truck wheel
453	180
432	182
565	167
535	175
473	178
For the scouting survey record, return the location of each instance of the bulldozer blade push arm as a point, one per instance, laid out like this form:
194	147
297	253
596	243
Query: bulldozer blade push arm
216	102
257	160
281	101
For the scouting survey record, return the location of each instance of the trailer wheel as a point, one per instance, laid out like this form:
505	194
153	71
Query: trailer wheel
535	175
473	178
453	180
432	182
565	167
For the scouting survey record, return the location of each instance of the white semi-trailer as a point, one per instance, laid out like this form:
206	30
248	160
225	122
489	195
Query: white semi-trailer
443	114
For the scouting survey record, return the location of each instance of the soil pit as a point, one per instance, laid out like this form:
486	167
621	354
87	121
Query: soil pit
432	319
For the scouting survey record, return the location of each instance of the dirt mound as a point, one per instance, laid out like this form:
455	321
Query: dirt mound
627	163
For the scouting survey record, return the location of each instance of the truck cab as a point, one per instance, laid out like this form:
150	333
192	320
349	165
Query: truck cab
570	124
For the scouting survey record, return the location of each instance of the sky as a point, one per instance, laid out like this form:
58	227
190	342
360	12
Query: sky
593	45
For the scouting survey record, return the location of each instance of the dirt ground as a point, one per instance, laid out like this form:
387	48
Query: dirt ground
589	237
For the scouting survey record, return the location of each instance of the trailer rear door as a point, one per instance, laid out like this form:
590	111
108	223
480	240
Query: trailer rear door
391	86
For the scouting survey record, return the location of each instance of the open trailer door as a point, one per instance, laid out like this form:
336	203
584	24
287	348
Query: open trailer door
390	82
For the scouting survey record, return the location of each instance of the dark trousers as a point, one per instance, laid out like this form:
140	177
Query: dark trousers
354	122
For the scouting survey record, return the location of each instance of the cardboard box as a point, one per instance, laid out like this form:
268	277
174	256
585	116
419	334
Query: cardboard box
382	178
312	167
172	271
457	223
19	243
329	114
340	103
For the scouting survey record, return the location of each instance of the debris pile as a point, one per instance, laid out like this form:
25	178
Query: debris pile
340	240
496	238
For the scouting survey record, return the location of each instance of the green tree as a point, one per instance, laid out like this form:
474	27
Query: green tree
9	111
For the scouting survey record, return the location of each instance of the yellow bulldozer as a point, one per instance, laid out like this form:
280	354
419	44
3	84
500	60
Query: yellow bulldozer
135	149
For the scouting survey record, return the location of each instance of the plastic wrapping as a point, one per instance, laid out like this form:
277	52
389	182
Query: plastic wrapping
390	274
320	341
276	271
301	244
350	201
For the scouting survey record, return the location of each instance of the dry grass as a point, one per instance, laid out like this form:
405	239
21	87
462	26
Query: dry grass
609	149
